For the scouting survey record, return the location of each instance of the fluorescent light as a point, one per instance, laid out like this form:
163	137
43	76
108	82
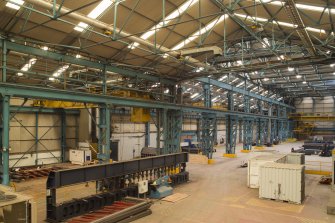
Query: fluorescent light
199	69
267	43
240	84
78	56
194	95
51	78
298	76
223	77
215	99
316	30
14	4
81	26
27	66
334	73
304	82
165	55
60	70
332	65
166	91
266	79
290	69
239	62
95	13
45	48
197	34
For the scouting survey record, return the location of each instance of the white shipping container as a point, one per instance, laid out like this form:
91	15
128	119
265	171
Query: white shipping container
255	163
295	158
285	182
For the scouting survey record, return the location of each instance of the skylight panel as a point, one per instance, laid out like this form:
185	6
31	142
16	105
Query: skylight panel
61	70
286	24
198	33
95	13
27	66
175	14
14	4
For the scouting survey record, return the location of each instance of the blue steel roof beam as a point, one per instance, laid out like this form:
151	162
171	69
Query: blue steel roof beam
240	91
82	62
57	94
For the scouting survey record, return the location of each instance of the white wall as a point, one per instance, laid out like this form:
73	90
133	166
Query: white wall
321	106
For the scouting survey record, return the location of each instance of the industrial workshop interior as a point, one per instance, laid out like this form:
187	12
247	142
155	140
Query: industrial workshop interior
167	111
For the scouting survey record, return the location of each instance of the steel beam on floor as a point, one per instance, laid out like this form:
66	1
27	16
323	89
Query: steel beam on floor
67	177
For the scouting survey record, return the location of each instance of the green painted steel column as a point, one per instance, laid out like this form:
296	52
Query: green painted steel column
4	61
36	138
5	139
147	134
104	134
63	135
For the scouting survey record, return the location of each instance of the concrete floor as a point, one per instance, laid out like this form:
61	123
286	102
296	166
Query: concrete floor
217	193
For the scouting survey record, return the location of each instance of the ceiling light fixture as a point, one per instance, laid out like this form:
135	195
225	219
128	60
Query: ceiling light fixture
290	69
194	95
298	76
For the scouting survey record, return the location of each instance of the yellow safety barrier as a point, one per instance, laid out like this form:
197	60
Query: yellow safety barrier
291	140
259	147
318	168
245	151
229	155
211	161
